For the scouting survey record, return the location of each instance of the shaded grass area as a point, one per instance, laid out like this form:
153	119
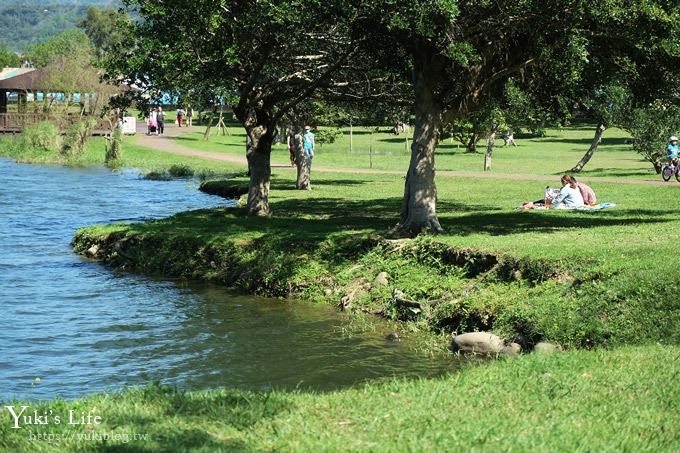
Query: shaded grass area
621	400
578	278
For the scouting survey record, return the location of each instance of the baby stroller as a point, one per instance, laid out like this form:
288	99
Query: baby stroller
152	127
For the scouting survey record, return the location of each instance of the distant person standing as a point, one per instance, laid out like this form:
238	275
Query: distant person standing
152	122
190	114
291	146
180	116
160	119
308	142
510	139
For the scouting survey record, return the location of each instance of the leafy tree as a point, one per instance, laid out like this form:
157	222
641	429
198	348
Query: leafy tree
64	44
651	127
8	59
266	57
105	28
633	62
462	53
607	105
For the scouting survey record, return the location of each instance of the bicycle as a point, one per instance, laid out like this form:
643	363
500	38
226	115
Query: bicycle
670	169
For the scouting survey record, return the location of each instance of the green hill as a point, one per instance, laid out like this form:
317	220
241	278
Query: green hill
23	22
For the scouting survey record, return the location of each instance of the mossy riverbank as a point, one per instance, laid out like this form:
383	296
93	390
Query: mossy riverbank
428	283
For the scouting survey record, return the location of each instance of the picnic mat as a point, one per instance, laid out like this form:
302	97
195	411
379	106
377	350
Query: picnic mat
597	207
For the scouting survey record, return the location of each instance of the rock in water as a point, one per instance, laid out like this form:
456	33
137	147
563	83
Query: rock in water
381	279
547	348
477	343
92	251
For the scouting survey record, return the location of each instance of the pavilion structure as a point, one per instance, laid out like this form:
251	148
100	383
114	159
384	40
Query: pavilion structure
22	83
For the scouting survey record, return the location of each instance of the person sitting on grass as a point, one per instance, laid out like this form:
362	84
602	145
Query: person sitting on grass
588	194
569	197
672	150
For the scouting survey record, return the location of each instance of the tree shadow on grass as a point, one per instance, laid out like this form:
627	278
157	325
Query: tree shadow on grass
606	141
616	172
516	222
195	413
395	140
315	220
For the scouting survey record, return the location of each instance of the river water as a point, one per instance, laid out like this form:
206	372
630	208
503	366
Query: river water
71	326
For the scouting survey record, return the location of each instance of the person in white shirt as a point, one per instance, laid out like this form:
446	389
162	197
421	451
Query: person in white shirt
569	197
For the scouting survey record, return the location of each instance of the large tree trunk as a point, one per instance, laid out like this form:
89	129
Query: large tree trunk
489	150
471	146
593	147
419	206
259	166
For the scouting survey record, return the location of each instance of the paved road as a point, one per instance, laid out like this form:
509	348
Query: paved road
166	143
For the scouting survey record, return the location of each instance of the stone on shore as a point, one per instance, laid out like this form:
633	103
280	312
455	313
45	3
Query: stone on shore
382	279
512	350
546	348
92	251
478	343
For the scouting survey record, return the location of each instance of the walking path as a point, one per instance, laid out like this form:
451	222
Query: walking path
165	143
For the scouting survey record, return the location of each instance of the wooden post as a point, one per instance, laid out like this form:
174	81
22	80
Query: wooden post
3	101
351	147
370	151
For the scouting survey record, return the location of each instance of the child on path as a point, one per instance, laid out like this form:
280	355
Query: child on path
672	150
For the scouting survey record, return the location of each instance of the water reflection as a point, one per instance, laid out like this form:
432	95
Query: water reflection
81	328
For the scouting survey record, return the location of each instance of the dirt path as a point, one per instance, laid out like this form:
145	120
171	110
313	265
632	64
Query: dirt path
165	143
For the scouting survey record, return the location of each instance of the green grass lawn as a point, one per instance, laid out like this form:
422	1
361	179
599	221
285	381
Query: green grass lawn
621	400
560	150
612	290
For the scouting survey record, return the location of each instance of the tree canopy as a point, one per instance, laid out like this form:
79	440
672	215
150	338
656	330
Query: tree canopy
457	56
64	44
8	59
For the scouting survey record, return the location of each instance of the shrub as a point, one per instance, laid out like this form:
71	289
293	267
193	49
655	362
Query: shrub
77	136
181	171
43	136
328	135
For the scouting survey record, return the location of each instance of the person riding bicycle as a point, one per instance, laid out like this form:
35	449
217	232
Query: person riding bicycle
672	150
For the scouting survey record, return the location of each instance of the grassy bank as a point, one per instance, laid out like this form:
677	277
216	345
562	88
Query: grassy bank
600	280
133	155
621	400
578	278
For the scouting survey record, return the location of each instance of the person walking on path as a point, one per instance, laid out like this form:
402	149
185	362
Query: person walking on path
190	114
180	116
160	119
